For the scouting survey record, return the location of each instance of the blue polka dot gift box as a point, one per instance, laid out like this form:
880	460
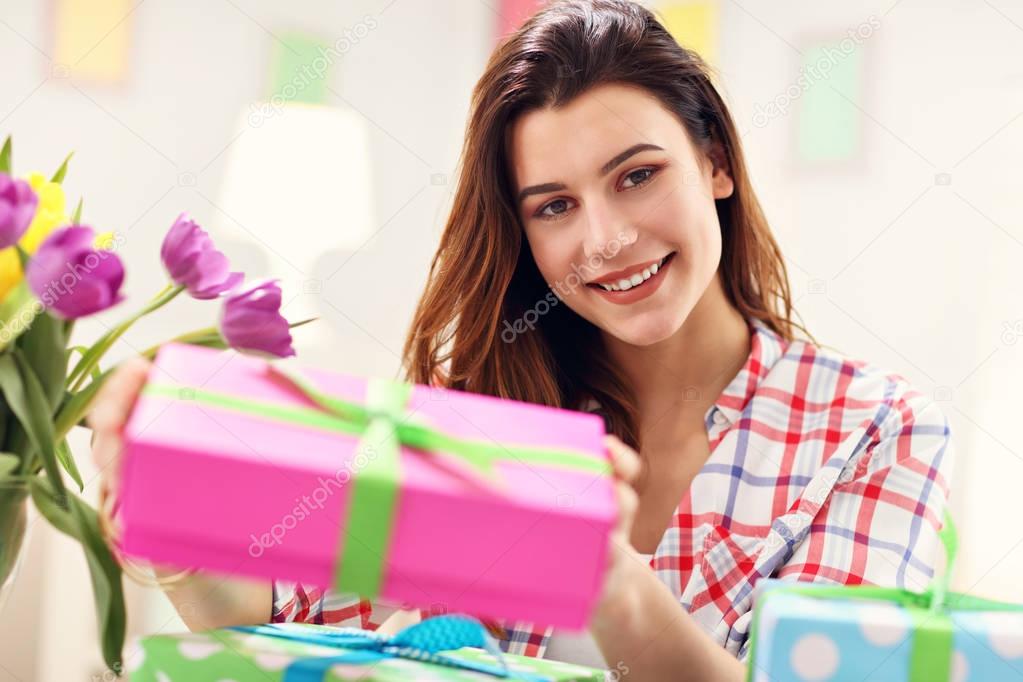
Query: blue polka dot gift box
805	632
448	648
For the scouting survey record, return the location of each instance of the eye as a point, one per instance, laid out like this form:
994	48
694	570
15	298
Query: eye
560	207
640	176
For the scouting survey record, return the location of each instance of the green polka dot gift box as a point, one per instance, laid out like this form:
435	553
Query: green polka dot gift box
446	648
804	632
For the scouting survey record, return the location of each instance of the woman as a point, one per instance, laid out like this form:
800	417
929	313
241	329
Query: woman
606	251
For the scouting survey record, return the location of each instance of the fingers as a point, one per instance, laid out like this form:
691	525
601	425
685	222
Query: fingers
110	410
116	397
624	459
628	503
627	465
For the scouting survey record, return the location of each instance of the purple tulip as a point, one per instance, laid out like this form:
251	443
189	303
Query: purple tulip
250	319
18	204
193	261
71	277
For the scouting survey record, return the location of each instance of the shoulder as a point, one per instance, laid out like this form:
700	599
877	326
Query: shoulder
887	423
821	379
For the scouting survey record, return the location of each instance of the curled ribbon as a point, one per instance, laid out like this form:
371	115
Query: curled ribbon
426	641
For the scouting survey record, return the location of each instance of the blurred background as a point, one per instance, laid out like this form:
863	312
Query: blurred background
318	141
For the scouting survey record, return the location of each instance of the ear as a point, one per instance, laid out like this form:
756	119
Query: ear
721	181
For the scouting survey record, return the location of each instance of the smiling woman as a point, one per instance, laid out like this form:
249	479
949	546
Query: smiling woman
601	165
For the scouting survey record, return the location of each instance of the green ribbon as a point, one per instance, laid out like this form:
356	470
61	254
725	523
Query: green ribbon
930	657
383	426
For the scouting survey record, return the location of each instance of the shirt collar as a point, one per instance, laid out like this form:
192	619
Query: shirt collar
766	348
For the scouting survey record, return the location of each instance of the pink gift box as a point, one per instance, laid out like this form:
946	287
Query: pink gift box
224	490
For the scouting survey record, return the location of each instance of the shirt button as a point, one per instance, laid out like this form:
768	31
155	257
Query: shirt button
719	416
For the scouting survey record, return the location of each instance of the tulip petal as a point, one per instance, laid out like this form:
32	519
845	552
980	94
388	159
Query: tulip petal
251	319
71	277
192	261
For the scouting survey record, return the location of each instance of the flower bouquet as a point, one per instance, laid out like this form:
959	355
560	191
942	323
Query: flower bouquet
54	270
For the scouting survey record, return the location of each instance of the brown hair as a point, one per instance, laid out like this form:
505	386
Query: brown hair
482	274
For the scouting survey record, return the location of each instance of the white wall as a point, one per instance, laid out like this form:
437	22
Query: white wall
909	274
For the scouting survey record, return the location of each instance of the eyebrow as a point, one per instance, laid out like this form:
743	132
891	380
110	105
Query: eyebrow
604	170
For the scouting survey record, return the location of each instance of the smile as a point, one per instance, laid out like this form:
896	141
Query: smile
639	284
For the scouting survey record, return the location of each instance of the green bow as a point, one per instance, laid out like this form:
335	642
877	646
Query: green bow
384	427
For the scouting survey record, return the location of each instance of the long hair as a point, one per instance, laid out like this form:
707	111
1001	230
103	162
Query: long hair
483	274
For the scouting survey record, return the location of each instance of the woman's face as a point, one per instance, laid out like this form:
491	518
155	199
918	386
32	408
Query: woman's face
611	191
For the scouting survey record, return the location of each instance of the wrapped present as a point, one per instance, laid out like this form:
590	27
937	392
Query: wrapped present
441	648
835	633
415	495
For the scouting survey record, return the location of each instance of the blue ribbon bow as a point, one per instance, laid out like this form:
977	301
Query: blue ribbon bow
423	641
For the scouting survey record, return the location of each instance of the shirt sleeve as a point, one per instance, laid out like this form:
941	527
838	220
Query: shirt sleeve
519	638
880	524
524	639
294	602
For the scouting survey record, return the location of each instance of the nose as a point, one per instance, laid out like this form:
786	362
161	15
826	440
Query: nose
606	231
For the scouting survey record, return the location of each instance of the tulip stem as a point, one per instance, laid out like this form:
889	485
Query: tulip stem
204	334
190	337
98	350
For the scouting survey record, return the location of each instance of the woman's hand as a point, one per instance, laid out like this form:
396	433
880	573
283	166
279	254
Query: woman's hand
623	558
203	601
108	415
639	625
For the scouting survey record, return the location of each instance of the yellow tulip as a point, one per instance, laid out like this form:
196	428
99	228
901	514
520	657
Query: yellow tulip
104	241
49	215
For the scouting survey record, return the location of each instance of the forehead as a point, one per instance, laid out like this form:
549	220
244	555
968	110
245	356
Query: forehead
550	145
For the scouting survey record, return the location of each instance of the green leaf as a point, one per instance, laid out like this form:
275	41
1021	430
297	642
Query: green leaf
23	257
14	300
5	156
80	521
5	416
80	349
28	402
76	404
58	177
67	460
293	325
107	588
77	217
90	358
17	312
9	463
52	508
16	440
43	347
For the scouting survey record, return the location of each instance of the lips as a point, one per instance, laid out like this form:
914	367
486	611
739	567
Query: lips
645	289
633	276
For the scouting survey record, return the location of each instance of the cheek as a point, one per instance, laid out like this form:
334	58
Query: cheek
688	219
553	255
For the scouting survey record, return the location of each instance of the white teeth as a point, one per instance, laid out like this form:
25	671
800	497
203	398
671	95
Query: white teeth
634	280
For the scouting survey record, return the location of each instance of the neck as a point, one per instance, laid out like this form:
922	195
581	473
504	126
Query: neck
704	354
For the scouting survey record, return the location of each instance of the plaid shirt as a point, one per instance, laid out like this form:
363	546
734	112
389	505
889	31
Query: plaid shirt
822	469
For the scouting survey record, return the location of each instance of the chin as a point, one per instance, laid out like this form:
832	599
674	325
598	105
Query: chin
645	330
